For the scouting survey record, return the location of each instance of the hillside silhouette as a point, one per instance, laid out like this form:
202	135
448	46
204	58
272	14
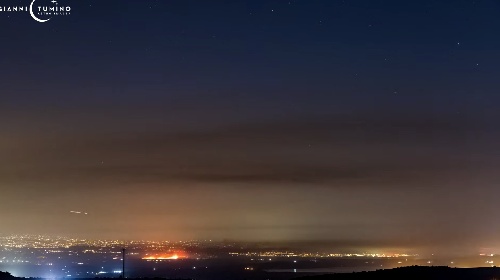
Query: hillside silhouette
416	273
6	276
402	273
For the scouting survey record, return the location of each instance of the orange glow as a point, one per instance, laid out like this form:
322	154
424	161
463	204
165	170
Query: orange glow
166	256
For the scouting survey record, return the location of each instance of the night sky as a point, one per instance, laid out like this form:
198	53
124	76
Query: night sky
361	123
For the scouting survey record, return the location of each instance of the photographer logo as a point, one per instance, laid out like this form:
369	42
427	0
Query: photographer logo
40	10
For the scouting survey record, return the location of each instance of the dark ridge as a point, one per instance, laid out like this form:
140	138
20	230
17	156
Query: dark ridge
410	272
416	272
8	276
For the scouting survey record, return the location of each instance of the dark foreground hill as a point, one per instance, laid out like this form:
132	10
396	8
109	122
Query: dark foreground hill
6	276
416	273
402	273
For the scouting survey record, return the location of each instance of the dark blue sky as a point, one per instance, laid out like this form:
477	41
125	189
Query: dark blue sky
291	111
272	56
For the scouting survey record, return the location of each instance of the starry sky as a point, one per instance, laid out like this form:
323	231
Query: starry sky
362	123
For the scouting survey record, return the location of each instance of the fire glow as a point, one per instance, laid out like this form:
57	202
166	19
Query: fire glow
169	256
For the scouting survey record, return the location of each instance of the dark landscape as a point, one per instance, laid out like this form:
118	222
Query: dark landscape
417	273
412	272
